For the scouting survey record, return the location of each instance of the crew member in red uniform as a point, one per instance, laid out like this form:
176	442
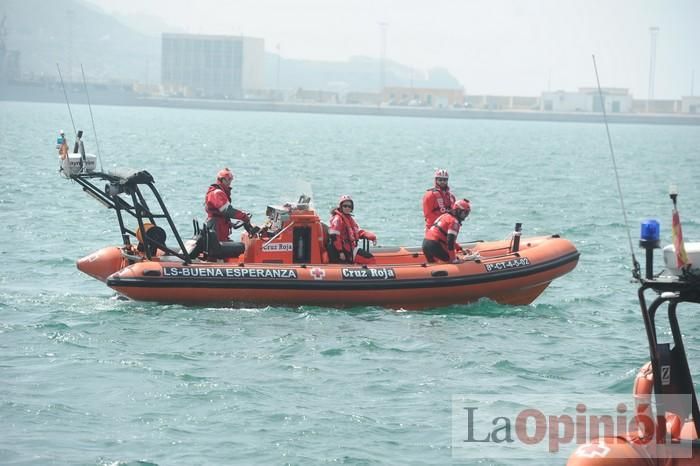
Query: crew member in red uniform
438	199
344	233
440	242
219	209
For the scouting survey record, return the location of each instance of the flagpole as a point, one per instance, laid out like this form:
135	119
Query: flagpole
677	231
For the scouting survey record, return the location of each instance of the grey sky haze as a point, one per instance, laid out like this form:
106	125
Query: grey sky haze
518	47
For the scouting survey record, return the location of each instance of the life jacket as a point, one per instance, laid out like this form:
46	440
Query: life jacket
435	203
213	204
347	232
446	224
63	148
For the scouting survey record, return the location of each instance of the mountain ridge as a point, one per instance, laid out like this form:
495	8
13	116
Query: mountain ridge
117	48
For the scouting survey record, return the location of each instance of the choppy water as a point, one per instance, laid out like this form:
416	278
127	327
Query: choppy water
86	379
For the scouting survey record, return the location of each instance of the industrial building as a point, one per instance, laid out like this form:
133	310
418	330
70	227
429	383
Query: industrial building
423	97
212	66
587	99
690	104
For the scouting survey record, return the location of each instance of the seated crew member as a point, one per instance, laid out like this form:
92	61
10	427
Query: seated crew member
344	233
440	241
438	199
219	210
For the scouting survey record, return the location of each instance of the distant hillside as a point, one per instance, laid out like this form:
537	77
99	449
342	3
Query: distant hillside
71	32
357	74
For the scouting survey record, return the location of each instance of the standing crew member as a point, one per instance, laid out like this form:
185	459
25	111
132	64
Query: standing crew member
344	233
438	199
62	145
219	209
441	238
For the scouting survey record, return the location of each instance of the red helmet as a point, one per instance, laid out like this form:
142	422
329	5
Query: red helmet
345	197
224	174
441	173
462	204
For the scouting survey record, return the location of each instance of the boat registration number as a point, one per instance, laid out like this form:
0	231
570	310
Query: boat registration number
509	264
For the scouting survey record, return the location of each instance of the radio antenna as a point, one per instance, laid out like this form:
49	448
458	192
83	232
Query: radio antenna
635	265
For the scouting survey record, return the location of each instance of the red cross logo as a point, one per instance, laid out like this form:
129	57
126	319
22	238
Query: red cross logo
318	274
593	450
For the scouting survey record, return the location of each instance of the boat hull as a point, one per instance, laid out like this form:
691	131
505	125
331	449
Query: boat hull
516	279
103	263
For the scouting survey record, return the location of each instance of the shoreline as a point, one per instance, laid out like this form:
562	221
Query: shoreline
107	97
344	109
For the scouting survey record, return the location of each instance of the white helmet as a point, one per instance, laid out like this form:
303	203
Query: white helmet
441	173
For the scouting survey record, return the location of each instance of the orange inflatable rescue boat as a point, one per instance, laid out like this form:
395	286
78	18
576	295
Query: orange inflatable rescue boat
286	262
664	431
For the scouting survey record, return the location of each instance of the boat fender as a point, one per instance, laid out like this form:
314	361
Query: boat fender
641	392
643	387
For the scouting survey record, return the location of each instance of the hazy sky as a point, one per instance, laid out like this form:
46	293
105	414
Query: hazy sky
492	46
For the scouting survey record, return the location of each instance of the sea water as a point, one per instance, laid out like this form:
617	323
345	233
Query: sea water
87	379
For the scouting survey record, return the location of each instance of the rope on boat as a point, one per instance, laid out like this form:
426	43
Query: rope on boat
635	265
91	118
65	94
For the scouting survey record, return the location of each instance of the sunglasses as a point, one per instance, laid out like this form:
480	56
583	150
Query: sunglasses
346	206
441	179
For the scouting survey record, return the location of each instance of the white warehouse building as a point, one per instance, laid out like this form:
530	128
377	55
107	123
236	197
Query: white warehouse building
587	99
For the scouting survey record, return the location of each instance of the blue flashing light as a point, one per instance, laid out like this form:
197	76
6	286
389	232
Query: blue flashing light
650	230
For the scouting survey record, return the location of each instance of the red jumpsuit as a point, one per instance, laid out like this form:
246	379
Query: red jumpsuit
441	238
436	202
345	233
217	203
